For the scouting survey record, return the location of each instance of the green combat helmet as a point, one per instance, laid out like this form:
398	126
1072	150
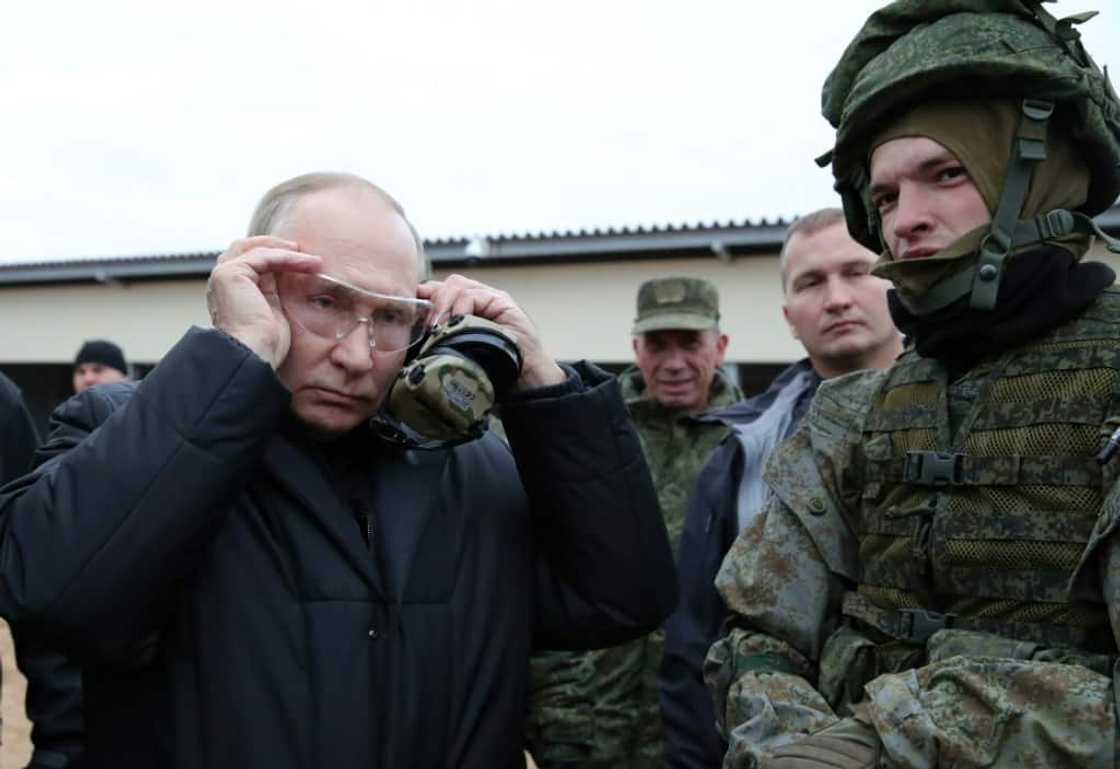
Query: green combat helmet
912	49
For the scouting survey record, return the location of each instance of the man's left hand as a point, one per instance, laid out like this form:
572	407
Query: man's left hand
458	295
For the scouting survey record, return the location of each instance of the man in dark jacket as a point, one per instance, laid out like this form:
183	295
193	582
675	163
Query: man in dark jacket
253	577
98	361
53	701
838	311
18	431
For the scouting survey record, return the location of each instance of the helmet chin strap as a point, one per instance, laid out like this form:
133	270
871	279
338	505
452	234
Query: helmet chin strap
1028	148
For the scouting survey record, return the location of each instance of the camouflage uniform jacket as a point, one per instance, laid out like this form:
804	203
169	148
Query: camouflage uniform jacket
1022	675
599	708
676	445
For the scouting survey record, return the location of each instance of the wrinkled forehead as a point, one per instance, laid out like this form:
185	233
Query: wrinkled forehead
360	238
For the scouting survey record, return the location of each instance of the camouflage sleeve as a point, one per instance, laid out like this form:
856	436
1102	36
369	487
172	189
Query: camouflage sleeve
775	578
1098	573
783	580
784	602
1106	544
763	698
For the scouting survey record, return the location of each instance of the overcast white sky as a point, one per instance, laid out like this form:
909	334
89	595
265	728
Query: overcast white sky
133	128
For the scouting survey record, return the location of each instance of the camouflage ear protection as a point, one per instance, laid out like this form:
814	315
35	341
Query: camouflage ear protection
444	395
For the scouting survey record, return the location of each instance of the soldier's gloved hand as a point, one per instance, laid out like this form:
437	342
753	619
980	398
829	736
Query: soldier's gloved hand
847	744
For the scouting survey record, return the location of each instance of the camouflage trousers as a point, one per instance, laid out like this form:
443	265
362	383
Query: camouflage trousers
598	709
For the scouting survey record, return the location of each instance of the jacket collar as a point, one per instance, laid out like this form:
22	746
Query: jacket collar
749	409
291	464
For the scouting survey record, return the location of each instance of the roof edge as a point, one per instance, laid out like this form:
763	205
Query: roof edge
725	242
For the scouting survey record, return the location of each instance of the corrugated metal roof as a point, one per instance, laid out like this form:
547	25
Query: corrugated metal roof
722	240
670	240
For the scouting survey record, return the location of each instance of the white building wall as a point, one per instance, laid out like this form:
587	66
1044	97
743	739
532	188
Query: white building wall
584	310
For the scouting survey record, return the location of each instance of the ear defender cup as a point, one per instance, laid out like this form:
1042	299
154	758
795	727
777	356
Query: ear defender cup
443	397
446	393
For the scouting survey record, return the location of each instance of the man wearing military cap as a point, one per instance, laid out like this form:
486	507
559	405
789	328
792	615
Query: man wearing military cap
599	709
936	578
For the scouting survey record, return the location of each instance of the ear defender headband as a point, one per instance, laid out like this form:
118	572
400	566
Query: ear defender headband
444	395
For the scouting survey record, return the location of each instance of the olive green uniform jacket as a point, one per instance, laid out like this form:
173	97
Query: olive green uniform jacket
599	708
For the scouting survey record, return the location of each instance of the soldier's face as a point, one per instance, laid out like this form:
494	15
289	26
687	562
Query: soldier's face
337	384
833	305
679	365
924	196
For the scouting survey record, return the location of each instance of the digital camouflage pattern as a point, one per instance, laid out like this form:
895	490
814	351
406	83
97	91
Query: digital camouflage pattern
998	548
973	711
676	444
599	708
676	303
1035	691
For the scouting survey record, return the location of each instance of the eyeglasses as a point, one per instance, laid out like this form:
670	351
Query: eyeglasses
331	308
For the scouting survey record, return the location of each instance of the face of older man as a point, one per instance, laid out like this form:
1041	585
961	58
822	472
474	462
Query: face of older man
924	196
338	384
678	365
834	306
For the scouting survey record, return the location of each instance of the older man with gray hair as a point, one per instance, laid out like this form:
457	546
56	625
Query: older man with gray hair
252	575
600	709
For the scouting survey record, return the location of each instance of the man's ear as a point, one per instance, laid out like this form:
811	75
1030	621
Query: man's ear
792	329
721	349
634	343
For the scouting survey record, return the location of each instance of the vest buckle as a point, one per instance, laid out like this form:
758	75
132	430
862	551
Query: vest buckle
917	625
932	468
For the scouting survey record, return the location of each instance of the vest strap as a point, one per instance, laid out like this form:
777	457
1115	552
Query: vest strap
917	625
940	468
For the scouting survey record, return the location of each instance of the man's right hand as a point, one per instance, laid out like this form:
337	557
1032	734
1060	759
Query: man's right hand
242	297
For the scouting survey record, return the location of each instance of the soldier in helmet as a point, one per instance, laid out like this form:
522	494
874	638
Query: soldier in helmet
936	579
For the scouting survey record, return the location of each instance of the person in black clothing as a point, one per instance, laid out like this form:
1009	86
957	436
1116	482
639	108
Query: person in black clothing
53	701
251	576
18	429
99	361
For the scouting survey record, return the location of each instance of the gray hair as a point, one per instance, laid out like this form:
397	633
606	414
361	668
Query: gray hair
279	201
806	225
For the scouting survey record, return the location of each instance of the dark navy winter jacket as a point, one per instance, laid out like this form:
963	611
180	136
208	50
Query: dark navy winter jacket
240	596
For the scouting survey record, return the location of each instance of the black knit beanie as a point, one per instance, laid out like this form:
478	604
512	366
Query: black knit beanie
103	352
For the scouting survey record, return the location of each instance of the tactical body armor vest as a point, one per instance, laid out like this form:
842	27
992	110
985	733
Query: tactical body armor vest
980	495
